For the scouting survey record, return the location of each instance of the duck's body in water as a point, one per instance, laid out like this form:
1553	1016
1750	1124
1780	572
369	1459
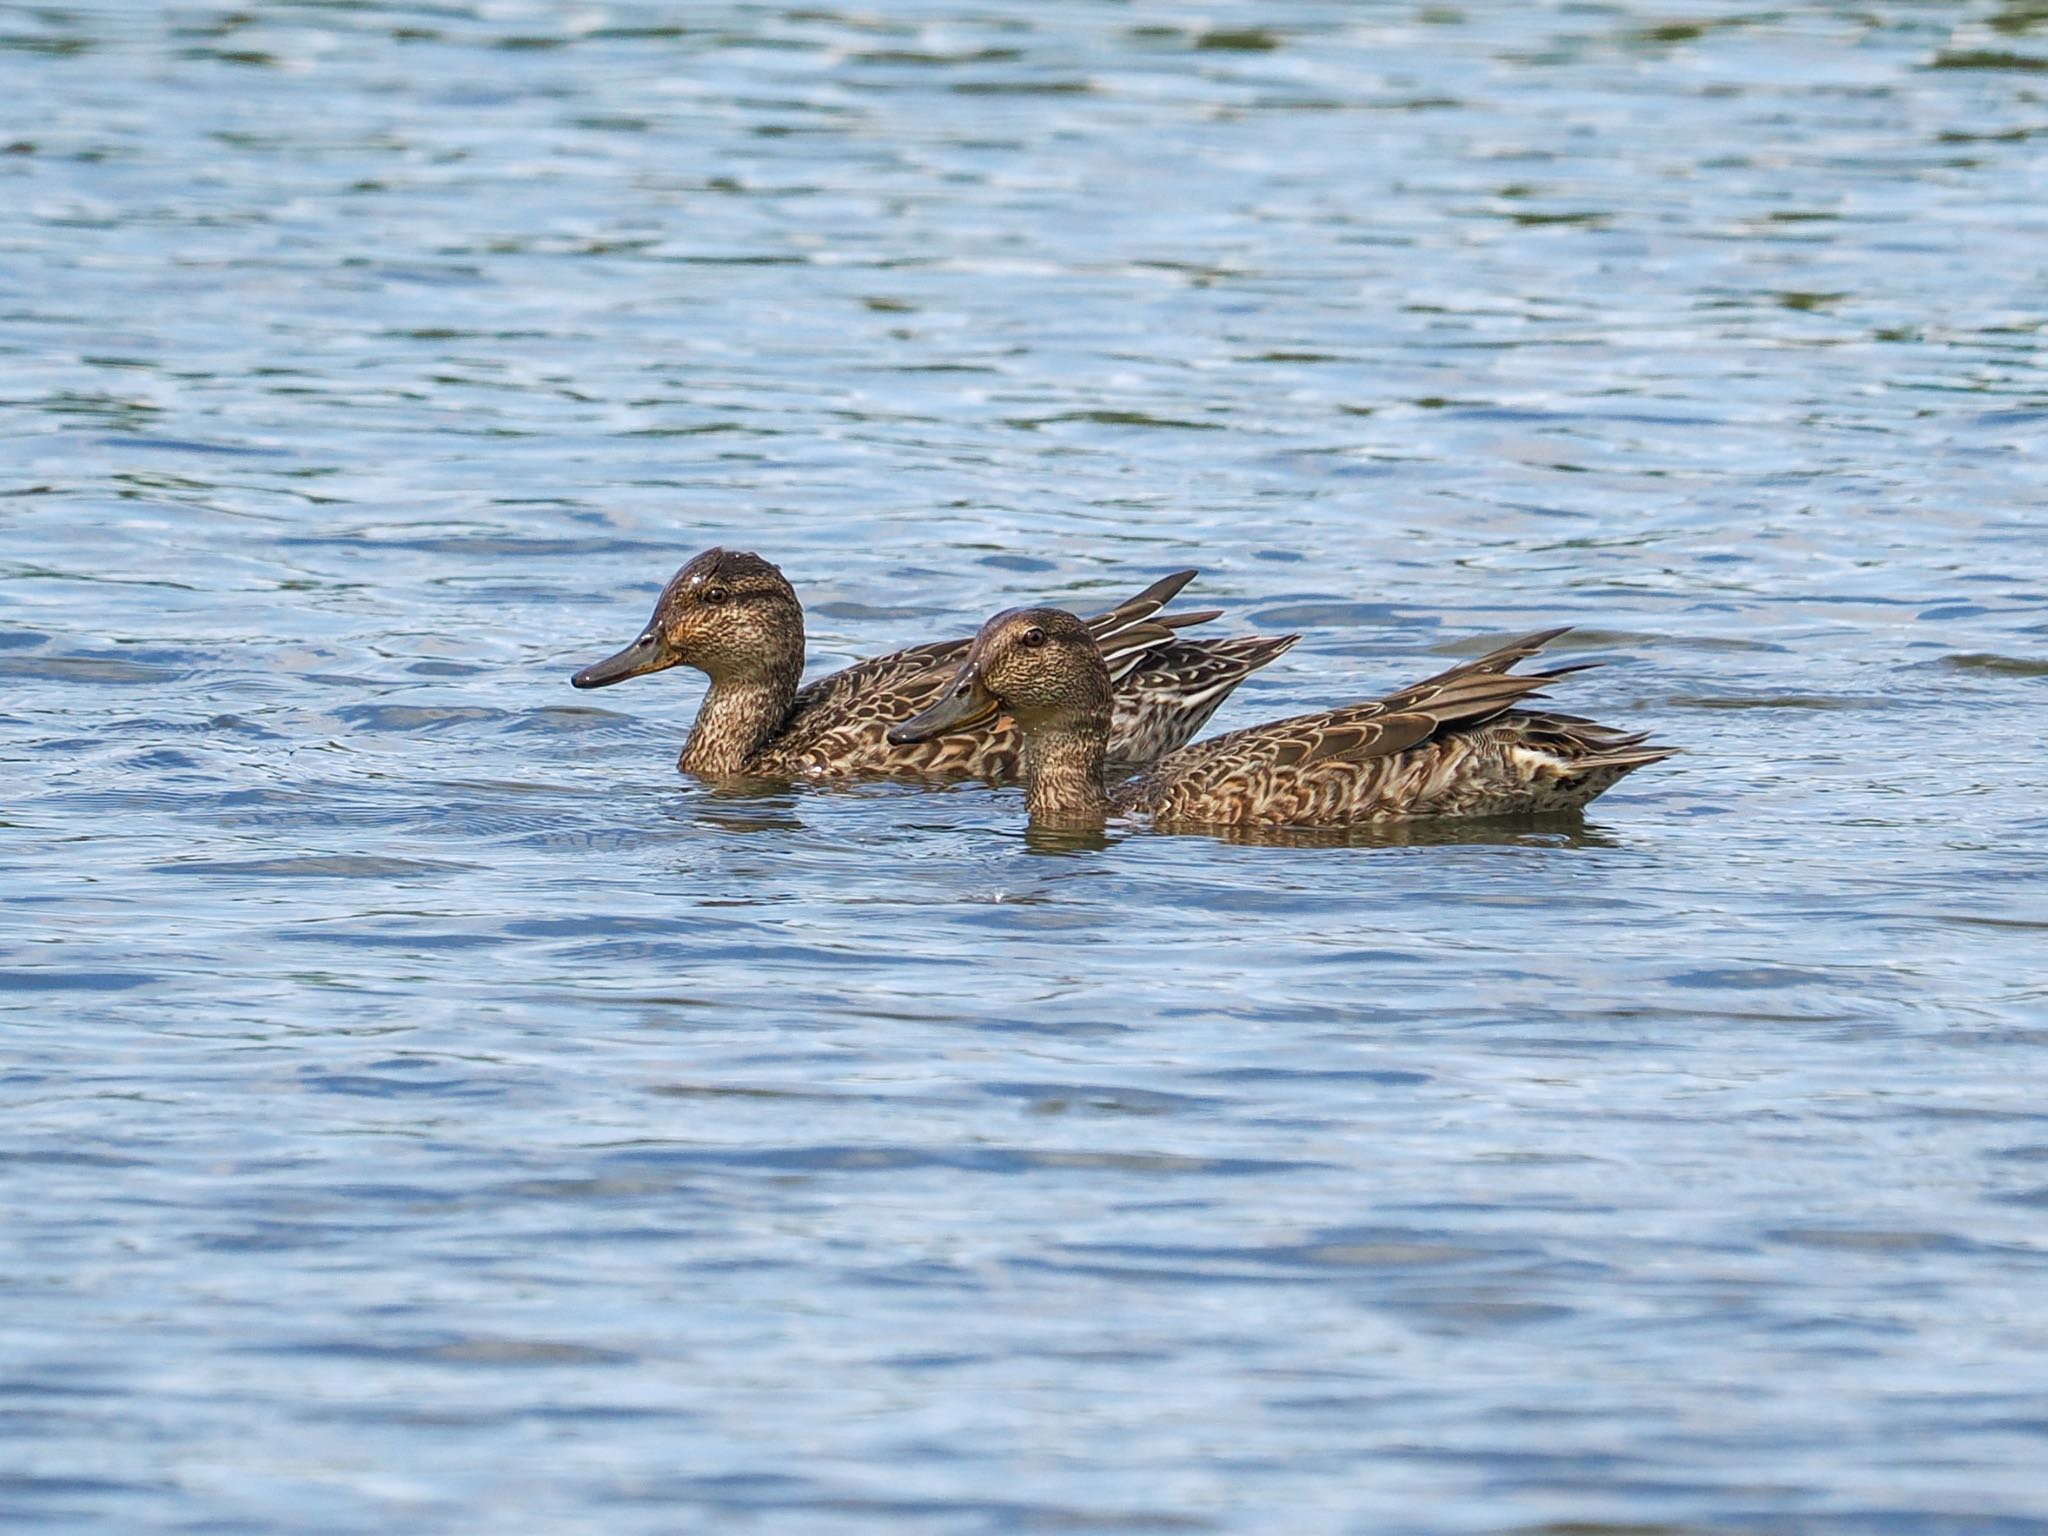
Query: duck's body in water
735	617
1453	745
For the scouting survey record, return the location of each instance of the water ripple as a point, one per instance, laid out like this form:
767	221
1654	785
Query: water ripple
426	1112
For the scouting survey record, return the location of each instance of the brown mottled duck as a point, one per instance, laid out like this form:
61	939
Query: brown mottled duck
1456	744
734	617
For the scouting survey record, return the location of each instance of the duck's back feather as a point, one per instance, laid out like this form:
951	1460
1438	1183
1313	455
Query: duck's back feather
839	724
1451	745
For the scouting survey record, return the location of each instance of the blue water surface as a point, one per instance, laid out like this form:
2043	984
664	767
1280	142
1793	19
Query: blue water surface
421	1110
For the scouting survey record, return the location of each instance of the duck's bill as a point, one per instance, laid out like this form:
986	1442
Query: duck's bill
966	704
636	660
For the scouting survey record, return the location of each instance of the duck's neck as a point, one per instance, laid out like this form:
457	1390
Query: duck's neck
735	721
741	715
1062	771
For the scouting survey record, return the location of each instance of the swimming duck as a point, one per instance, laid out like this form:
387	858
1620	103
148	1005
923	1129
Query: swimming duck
734	617
1453	745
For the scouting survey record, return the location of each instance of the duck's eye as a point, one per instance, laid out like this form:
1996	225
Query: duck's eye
716	595
1033	637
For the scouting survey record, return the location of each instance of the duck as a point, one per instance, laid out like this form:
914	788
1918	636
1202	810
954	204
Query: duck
735	617
1456	744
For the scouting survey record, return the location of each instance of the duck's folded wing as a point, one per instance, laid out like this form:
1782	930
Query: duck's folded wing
1131	611
900	684
860	687
1171	692
1465	695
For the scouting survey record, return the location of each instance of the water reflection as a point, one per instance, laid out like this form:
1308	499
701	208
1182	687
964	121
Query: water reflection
1067	841
1565	830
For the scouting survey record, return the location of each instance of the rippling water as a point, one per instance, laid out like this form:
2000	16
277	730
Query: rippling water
424	1111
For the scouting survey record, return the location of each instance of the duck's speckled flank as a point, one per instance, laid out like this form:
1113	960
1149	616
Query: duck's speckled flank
1452	745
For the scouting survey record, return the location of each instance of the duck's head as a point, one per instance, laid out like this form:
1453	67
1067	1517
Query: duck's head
1041	666
727	613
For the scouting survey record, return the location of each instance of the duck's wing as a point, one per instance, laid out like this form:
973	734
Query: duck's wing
1109	628
1466	695
887	690
879	690
1174	689
1455	744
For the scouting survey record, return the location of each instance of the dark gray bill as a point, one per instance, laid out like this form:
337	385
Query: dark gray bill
967	703
642	656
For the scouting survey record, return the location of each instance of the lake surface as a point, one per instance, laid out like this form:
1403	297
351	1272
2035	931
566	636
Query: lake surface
424	1111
